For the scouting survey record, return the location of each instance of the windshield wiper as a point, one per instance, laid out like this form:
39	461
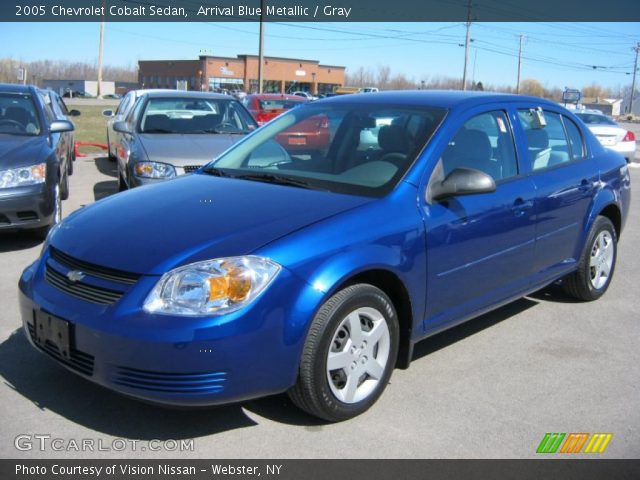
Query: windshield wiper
158	130
277	179
218	172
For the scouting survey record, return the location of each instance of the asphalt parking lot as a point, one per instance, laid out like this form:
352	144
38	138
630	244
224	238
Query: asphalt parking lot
488	389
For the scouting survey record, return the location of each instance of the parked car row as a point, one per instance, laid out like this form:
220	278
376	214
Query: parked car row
314	271
36	157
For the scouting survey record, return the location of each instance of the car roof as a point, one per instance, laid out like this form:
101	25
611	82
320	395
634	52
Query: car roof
435	98
274	96
185	94
15	88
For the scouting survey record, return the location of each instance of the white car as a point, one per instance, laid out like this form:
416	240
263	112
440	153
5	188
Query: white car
306	95
609	133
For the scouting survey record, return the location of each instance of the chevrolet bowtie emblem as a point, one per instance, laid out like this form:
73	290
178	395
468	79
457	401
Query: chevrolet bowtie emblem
75	276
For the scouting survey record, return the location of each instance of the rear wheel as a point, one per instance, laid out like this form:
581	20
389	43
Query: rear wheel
597	263
349	354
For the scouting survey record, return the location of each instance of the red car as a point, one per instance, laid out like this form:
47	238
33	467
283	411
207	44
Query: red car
312	134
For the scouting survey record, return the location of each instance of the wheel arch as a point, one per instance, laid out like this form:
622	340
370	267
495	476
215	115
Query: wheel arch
395	289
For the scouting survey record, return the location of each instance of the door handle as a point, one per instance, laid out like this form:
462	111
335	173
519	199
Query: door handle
585	185
520	206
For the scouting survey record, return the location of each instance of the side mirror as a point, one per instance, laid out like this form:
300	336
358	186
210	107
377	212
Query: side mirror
463	181
108	113
74	113
122	127
61	126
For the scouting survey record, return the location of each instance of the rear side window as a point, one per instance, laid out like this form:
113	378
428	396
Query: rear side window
485	143
547	145
575	139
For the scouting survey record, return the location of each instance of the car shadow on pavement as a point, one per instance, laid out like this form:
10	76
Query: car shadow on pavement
554	293
104	189
50	386
453	335
13	241
106	167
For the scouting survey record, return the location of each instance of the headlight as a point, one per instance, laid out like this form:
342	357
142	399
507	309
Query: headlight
17	177
154	170
212	287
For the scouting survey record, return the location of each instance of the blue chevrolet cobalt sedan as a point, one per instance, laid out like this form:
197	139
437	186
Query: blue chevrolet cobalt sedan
315	273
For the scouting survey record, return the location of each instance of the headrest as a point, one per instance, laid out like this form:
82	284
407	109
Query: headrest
394	138
537	138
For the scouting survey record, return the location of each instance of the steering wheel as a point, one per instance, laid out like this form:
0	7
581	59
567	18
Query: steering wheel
13	123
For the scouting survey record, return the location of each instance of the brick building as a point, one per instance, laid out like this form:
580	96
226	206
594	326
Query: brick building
281	75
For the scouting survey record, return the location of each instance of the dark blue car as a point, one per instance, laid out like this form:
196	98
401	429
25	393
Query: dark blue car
269	270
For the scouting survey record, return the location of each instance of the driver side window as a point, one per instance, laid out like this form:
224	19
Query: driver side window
485	143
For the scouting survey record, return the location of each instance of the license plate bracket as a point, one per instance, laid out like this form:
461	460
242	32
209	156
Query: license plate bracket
54	330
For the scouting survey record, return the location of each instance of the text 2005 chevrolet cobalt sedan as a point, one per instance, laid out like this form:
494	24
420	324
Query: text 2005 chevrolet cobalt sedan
269	270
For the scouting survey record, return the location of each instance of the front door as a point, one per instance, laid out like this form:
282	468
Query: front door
480	248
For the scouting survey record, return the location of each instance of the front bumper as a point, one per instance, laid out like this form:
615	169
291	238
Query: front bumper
176	360
26	207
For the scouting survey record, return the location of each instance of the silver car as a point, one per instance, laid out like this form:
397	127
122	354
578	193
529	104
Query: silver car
170	133
119	114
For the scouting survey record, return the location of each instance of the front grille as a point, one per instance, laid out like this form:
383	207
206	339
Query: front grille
191	168
79	361
81	290
93	269
212	382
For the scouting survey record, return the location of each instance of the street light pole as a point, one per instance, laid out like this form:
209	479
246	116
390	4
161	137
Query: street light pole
466	46
98	92
519	63
261	46
633	82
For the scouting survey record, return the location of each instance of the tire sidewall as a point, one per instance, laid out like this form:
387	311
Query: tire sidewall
363	296
601	224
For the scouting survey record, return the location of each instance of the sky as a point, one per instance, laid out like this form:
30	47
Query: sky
556	54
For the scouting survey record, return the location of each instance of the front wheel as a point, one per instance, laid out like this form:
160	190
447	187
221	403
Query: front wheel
597	263
42	232
348	355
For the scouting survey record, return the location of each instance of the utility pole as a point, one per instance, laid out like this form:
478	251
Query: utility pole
104	7
519	63
263	10
633	82
466	46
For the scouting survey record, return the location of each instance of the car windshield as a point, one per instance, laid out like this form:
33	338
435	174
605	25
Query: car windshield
357	148
18	114
195	116
279	104
595	119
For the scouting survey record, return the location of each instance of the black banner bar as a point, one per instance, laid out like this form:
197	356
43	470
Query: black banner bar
319	11
320	469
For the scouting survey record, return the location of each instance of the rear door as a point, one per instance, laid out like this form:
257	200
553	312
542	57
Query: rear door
479	247
566	180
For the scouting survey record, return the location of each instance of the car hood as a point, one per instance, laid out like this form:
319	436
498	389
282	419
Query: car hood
152	229
21	150
186	149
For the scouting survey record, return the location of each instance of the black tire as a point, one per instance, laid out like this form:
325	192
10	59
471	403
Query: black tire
41	233
580	284
70	166
110	156
312	391
122	186
64	186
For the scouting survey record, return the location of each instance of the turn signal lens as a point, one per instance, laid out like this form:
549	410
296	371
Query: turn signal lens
213	287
